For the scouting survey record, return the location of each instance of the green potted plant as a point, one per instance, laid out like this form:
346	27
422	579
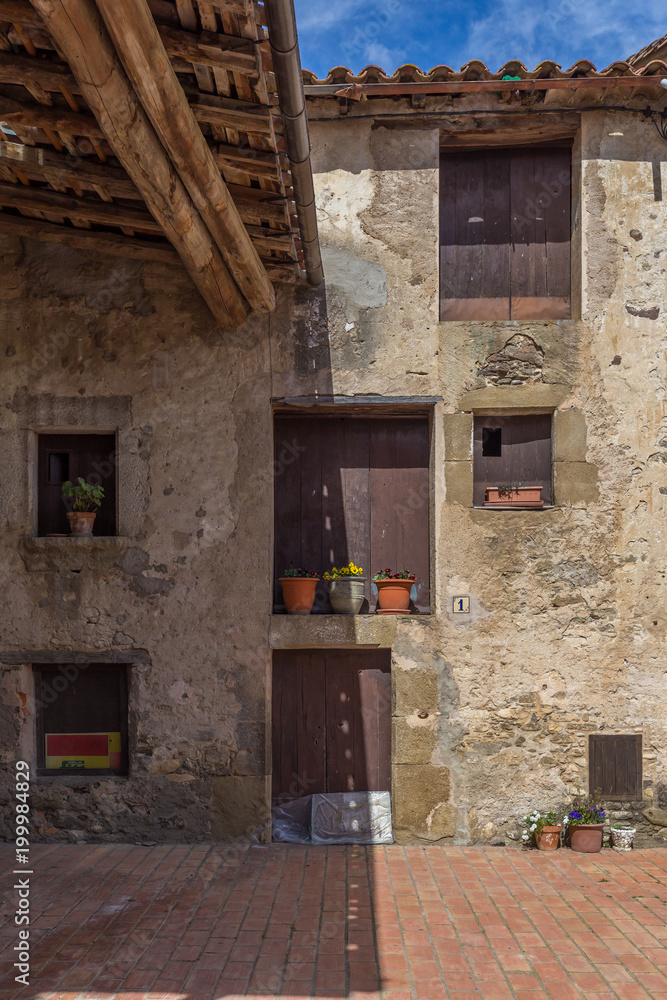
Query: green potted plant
394	591
543	830
86	498
622	836
299	589
585	825
513	495
346	589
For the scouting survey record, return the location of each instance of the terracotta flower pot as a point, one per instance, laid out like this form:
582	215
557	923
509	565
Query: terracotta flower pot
586	838
81	522
347	594
522	496
394	595
299	593
549	838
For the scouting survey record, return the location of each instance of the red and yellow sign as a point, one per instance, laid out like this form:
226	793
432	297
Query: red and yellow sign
82	750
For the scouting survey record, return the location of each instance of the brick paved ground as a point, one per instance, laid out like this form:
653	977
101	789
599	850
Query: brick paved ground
399	923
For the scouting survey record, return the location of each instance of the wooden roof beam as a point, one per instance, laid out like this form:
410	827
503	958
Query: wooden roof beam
54	168
140	47
78	30
88	239
93	210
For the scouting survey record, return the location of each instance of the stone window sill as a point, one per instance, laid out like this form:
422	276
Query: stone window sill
71	553
308	631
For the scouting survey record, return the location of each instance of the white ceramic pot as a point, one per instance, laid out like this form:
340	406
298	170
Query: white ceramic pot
621	839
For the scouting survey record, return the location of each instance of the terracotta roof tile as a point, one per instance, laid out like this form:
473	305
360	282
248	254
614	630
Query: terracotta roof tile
477	70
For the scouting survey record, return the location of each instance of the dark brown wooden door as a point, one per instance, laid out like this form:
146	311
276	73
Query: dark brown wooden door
513	449
331	725
505	234
352	489
65	457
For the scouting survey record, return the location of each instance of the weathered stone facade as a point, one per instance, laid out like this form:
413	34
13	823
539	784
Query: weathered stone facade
492	711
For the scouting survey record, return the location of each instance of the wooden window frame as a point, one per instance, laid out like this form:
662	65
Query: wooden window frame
479	481
634	742
373	411
40	670
508	306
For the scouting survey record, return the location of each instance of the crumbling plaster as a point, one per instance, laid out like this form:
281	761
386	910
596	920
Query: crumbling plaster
492	710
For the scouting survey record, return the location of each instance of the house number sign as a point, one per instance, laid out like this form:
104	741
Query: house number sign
461	605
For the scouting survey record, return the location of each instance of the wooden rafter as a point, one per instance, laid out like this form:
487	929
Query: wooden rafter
109	243
79	32
61	180
137	39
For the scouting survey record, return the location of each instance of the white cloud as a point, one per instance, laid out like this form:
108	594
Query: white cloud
565	30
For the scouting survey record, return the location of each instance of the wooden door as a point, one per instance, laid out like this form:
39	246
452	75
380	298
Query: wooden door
331	721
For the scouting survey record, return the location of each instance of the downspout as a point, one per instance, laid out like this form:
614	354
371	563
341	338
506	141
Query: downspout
287	67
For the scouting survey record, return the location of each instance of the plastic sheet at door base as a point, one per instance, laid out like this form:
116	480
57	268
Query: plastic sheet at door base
335	818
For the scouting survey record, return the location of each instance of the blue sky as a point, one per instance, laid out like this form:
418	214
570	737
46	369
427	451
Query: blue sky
428	32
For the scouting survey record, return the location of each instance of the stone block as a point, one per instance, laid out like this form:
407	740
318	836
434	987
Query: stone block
458	429
414	691
423	812
411	744
575	483
569	436
458	483
241	809
536	396
656	816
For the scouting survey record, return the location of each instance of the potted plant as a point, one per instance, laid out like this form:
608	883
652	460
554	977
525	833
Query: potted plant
394	591
513	495
622	836
346	589
585	824
543	830
299	589
86	498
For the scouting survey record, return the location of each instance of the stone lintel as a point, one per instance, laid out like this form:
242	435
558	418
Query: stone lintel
338	631
509	398
47	656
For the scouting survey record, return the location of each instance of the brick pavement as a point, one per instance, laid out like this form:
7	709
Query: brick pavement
203	922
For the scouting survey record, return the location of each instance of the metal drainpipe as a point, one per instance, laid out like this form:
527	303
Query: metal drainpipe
287	66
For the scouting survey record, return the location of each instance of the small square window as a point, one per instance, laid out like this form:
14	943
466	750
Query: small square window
63	457
512	460
81	718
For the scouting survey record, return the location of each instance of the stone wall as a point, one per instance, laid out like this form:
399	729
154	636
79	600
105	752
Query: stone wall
491	711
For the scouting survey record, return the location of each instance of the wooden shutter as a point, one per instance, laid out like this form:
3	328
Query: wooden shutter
331	726
505	234
615	766
525	453
352	489
82	698
91	456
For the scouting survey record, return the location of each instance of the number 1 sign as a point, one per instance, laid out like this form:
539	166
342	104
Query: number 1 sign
461	605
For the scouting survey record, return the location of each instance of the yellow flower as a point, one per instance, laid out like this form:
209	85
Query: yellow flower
326	576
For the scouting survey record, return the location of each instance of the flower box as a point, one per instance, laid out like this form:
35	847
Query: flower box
517	496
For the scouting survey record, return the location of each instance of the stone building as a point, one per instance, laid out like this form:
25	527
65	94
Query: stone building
492	313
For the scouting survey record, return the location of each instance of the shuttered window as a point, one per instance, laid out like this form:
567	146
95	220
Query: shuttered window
505	234
65	457
354	489
615	766
81	718
512	449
